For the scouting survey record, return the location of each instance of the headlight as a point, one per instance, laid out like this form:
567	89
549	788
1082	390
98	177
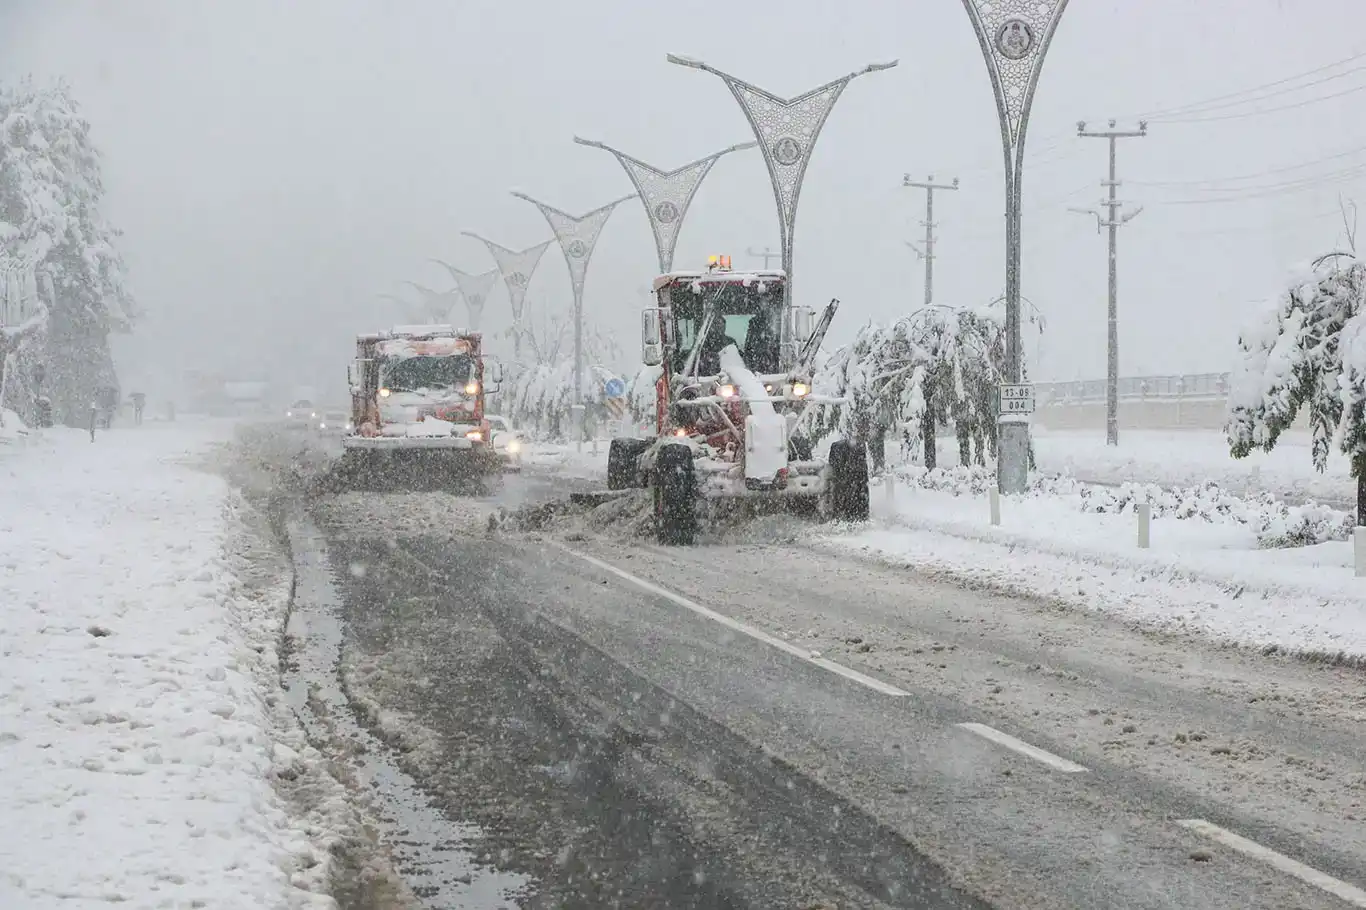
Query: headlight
799	390
383	393
726	391
313	416
289	413
474	435
514	446
471	388
322	426
348	425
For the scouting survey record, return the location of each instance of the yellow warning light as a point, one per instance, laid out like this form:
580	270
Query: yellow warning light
713	261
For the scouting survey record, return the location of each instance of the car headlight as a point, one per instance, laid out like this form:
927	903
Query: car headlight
289	413
322	426
383	393
313	416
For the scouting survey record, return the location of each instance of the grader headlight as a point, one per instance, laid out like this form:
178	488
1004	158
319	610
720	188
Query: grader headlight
726	391
800	390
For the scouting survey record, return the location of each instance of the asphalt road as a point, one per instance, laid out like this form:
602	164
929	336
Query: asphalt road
768	725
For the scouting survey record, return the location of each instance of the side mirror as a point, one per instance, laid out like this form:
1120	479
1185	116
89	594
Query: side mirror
493	375
801	323
651	337
353	376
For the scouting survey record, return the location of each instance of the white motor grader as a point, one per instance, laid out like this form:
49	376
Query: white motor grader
736	365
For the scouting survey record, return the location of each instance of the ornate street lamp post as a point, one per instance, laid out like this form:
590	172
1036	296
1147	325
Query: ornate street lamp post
577	236
1014	36
436	305
516	267
666	194
474	288
786	129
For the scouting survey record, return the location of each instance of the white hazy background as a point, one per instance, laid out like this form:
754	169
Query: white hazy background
276	165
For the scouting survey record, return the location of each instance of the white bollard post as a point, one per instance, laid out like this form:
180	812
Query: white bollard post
1145	518
995	496
1359	550
889	484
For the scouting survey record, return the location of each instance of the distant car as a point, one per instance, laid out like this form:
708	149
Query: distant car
334	421
302	413
506	439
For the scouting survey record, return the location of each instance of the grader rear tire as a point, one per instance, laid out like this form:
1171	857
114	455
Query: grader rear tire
848	492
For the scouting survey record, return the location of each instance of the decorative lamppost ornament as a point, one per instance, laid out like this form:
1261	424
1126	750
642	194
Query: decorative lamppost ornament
787	129
516	267
666	194
577	237
1014	36
435	306
474	288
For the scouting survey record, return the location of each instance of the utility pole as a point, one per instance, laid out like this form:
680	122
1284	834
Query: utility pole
1113	220
766	254
929	186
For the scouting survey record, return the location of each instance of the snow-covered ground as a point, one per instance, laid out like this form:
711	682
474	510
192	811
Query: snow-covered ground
1208	569
568	459
1186	458
139	730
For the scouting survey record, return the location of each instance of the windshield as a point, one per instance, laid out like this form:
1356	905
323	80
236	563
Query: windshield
752	319
413	374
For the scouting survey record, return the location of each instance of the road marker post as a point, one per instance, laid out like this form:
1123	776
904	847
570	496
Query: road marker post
1145	517
994	495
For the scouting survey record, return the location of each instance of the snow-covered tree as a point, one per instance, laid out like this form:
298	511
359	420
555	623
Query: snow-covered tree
51	193
937	366
1307	351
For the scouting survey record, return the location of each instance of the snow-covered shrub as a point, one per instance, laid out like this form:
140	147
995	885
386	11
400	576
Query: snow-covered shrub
1275	523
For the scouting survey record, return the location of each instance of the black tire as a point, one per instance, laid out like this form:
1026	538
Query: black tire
848	490
675	496
622	455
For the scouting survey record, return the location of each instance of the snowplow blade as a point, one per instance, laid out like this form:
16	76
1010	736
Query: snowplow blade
411	470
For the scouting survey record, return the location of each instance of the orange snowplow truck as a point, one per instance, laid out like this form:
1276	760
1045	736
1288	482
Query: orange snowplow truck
417	399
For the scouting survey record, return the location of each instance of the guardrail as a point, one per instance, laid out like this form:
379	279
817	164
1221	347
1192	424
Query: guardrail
1134	388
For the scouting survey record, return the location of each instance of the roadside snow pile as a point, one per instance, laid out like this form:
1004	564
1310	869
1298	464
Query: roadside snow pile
1275	523
12	429
137	730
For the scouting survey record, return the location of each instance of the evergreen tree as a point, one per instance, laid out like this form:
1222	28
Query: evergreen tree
51	192
1307	351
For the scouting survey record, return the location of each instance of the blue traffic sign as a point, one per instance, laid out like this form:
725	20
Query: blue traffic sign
615	388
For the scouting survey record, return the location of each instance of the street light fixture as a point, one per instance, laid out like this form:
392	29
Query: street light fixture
474	288
666	194
1014	36
516	267
787	129
436	305
578	235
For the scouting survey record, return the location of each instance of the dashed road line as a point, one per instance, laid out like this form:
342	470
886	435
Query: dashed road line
735	625
1353	895
1056	762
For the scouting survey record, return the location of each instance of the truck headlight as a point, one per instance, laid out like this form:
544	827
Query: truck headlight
474	436
726	391
471	388
383	393
799	390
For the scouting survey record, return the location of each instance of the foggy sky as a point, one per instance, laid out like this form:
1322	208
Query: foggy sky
275	164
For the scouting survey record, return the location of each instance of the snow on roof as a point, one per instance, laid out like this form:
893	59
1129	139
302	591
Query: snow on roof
720	277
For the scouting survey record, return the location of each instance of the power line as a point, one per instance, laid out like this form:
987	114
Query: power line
1264	111
1202	109
1311	180
1251	176
1247	91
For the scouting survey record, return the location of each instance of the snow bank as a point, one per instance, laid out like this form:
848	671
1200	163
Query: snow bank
1275	523
1187	458
12	429
1205	573
135	727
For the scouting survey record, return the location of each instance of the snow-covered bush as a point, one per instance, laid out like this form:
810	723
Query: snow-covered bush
539	398
1307	350
1275	523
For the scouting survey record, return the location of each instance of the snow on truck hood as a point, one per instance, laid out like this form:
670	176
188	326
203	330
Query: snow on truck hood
402	348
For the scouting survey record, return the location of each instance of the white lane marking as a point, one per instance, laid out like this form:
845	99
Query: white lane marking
1349	893
1056	762
876	685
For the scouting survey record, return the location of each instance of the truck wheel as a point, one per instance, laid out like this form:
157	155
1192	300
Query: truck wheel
675	496
622	473
848	482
